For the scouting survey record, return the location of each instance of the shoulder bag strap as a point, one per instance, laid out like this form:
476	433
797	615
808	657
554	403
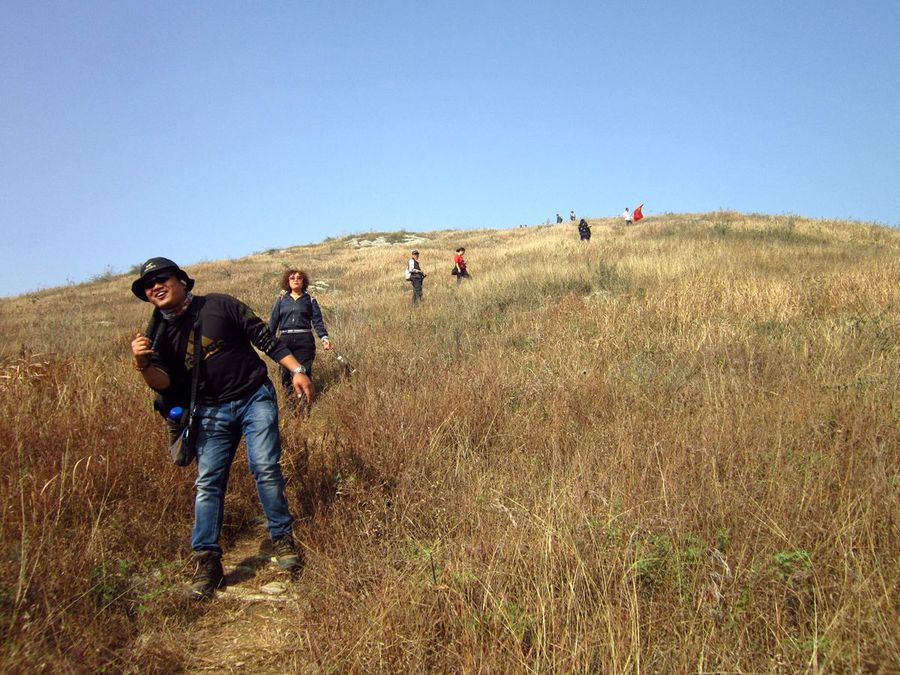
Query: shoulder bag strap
154	329
195	370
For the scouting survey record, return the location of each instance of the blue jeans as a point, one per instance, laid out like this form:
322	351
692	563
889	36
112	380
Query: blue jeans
221	428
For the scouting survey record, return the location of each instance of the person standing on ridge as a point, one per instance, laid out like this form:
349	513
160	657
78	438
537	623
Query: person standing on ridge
558	219
584	230
416	276
235	398
626	216
572	217
294	315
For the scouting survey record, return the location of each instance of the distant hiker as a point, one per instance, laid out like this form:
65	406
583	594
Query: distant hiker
459	265
572	218
416	276
236	398
294	315
558	219
584	230
626	216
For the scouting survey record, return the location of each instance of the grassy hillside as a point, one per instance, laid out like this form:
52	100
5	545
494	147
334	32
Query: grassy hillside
673	448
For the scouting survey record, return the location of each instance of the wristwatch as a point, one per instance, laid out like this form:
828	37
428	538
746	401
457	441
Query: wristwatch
299	369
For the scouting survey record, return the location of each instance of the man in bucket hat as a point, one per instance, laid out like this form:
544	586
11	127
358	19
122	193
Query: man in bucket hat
235	398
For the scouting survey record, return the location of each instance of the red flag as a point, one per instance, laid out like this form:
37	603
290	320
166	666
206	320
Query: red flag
637	215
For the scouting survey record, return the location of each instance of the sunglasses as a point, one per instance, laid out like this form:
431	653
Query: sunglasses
156	279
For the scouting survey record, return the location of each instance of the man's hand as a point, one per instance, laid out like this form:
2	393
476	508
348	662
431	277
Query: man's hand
303	386
140	349
326	344
153	376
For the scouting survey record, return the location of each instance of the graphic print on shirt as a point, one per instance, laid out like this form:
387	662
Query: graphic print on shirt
210	348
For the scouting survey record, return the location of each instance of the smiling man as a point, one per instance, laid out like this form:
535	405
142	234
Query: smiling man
235	397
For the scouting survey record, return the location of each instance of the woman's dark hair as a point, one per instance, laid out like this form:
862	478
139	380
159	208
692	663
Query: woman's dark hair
285	280
461	249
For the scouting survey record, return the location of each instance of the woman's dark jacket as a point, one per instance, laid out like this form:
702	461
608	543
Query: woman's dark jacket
302	314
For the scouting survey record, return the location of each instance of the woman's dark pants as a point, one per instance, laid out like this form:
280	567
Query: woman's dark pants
303	347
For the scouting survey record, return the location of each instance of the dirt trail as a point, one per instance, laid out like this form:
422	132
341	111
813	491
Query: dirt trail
254	618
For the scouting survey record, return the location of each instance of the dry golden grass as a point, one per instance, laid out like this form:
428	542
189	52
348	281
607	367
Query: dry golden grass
674	448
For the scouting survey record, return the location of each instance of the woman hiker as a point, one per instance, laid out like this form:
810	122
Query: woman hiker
294	316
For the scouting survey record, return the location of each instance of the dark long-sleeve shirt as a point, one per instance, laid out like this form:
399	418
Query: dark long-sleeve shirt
300	314
231	369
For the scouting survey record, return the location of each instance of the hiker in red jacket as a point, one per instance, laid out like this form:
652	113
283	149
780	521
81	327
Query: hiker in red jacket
459	265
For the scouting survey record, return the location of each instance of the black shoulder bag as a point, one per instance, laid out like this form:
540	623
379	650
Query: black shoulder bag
184	430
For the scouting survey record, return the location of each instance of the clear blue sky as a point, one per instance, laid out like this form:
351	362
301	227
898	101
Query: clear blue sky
207	130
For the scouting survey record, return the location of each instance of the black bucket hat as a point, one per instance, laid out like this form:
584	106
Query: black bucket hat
153	267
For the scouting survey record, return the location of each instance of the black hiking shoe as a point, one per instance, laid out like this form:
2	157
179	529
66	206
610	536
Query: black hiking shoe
208	576
285	552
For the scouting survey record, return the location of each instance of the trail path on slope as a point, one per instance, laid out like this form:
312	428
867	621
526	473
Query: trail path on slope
254	619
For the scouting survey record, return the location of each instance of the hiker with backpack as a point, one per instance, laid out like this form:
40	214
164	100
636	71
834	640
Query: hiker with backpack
294	316
415	276
234	398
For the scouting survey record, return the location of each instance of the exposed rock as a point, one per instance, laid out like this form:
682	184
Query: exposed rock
274	588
